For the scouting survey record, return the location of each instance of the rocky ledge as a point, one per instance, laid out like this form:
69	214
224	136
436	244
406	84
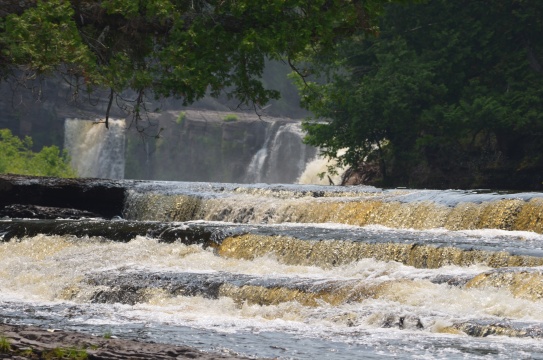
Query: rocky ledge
29	342
48	198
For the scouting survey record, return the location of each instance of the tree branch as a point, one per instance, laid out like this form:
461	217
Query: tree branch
111	94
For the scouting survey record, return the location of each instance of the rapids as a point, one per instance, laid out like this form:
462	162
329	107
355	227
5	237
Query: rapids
290	271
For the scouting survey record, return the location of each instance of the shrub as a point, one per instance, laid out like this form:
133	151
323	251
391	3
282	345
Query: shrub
182	116
5	346
17	157
231	117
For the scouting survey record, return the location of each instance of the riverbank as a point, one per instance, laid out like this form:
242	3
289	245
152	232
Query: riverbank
30	342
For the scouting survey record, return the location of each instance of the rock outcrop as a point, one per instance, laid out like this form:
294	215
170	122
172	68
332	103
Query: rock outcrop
30	342
203	146
43	198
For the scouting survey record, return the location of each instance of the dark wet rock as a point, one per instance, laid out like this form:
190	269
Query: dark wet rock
487	328
131	287
452	280
44	212
402	322
119	230
407	322
101	197
365	173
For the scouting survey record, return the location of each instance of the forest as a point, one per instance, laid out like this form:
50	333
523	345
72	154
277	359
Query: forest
448	94
434	94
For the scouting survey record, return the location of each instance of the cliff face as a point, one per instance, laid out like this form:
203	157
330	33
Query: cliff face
203	146
38	108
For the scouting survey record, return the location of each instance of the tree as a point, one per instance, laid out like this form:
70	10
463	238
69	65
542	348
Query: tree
181	48
448	95
16	157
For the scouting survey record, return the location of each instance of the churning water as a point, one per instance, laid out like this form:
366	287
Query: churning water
301	272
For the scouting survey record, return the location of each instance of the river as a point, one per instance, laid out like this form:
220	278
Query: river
290	271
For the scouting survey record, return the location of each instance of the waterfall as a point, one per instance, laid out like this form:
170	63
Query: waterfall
319	165
254	170
95	150
282	157
204	147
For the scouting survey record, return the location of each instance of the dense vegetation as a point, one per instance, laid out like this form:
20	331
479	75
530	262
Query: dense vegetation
432	94
17	157
181	48
449	94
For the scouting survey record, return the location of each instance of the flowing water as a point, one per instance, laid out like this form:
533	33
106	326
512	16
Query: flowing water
95	150
290	271
317	171
283	156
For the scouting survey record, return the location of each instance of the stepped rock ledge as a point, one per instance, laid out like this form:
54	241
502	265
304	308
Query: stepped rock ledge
49	198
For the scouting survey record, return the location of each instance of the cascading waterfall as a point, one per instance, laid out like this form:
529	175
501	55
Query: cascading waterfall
254	170
96	151
239	151
291	271
282	157
317	172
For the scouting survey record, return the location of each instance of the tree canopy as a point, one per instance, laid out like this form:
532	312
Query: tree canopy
181	48
450	94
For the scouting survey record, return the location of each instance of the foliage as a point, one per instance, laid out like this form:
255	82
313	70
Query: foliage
448	89
174	48
5	346
26	353
230	118
182	116
66	353
17	157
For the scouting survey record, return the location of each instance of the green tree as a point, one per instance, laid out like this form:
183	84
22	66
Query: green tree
182	48
17	157
448	95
